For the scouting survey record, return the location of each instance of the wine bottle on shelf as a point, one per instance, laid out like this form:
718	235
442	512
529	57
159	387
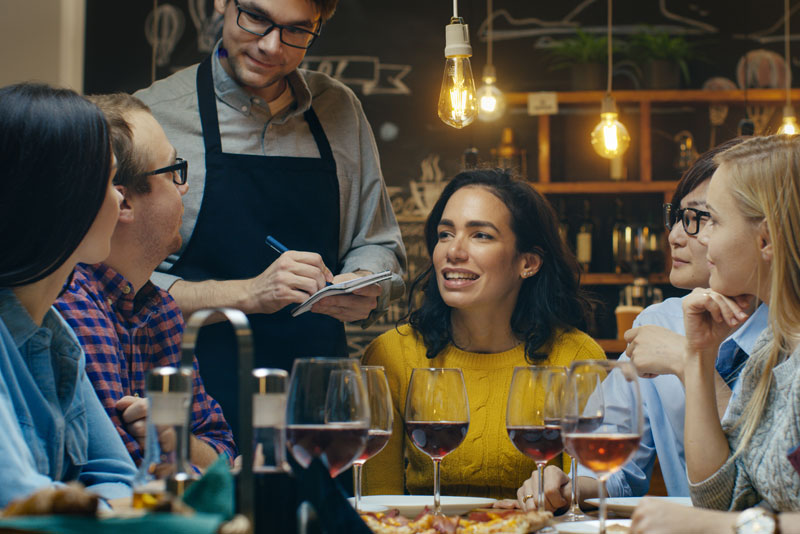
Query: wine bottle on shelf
583	239
621	240
563	221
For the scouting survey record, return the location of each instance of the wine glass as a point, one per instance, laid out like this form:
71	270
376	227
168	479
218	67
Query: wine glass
601	446
381	419
437	416
533	415
327	412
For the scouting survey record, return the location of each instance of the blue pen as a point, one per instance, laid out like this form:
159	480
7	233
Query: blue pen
276	245
280	248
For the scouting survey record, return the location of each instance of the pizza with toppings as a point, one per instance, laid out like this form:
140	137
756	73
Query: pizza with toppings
478	522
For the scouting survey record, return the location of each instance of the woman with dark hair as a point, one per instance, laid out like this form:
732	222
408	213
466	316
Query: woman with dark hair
58	207
502	291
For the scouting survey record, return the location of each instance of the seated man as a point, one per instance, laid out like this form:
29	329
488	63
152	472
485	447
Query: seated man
126	324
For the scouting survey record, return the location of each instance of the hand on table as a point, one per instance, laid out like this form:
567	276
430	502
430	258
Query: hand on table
654	351
290	279
557	490
655	516
133	413
349	307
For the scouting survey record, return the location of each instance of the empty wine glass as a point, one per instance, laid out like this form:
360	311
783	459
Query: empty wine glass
599	445
533	415
381	419
437	416
327	412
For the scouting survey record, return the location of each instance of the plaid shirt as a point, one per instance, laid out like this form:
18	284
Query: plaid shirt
125	335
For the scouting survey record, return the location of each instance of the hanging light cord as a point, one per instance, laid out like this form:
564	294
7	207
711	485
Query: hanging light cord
455	9
786	58
489	31
608	87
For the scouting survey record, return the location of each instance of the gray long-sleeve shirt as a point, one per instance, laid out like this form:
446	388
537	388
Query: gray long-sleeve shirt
369	237
762	472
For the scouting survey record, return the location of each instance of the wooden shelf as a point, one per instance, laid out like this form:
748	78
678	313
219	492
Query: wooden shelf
762	96
608	187
612	345
614	279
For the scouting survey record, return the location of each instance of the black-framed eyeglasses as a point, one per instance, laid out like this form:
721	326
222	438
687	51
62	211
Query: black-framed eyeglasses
692	219
178	170
260	25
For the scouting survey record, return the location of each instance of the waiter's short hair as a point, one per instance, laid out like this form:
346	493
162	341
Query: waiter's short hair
55	161
326	8
131	163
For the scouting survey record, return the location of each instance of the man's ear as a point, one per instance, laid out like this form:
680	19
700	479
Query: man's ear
125	207
219	6
764	241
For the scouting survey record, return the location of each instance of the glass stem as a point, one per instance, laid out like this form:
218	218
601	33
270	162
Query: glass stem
575	508
437	506
540	502
602	483
357	486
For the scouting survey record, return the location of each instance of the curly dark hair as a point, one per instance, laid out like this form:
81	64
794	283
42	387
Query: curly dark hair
549	301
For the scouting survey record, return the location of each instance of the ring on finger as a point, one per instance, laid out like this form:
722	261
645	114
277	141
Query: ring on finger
526	497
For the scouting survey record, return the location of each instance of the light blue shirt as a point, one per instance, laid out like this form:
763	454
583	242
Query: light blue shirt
663	403
54	428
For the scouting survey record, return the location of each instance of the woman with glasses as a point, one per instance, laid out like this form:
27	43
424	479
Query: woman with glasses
655	345
58	207
753	247
502	291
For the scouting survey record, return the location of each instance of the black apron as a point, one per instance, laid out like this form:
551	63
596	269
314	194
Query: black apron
246	198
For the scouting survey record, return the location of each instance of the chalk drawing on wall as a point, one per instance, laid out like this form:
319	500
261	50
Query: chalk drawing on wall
207	22
365	73
163	28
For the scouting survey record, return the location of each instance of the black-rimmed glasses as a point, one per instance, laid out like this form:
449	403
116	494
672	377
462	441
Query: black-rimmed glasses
177	169
260	25
692	219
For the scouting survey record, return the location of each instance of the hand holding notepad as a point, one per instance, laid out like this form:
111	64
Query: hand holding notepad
347	286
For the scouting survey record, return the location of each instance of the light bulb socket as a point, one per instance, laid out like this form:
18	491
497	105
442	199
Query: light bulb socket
457	39
609	105
788	111
489	74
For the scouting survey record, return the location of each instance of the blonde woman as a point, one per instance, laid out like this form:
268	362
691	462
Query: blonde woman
753	240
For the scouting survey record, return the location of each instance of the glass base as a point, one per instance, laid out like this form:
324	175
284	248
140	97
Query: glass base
574	514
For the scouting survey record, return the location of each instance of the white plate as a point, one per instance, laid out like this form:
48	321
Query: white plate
626	505
588	527
412	505
368	507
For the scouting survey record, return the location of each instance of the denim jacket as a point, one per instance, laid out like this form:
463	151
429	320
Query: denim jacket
54	428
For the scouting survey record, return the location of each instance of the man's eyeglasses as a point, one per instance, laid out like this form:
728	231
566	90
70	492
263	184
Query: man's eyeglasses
692	219
260	25
178	171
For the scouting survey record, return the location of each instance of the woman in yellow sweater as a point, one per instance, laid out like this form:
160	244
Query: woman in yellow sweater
502	291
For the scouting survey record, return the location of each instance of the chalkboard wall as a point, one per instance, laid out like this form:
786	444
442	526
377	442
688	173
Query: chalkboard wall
391	54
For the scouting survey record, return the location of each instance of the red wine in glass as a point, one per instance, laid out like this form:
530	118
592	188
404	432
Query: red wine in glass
437	439
603	453
539	443
376	441
337	445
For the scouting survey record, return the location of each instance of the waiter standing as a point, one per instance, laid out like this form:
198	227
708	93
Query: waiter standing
288	153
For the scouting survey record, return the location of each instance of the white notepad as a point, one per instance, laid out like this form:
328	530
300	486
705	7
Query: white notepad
342	287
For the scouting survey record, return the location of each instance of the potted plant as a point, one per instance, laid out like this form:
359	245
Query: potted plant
663	58
586	57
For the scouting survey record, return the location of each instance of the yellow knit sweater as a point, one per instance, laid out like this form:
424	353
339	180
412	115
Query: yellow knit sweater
486	464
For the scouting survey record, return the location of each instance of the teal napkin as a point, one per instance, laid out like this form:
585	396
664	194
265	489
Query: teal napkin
215	492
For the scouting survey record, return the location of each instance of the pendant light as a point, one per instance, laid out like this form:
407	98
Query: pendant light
458	104
610	138
789	126
491	102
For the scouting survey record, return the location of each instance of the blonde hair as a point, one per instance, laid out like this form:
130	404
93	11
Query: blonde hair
765	182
